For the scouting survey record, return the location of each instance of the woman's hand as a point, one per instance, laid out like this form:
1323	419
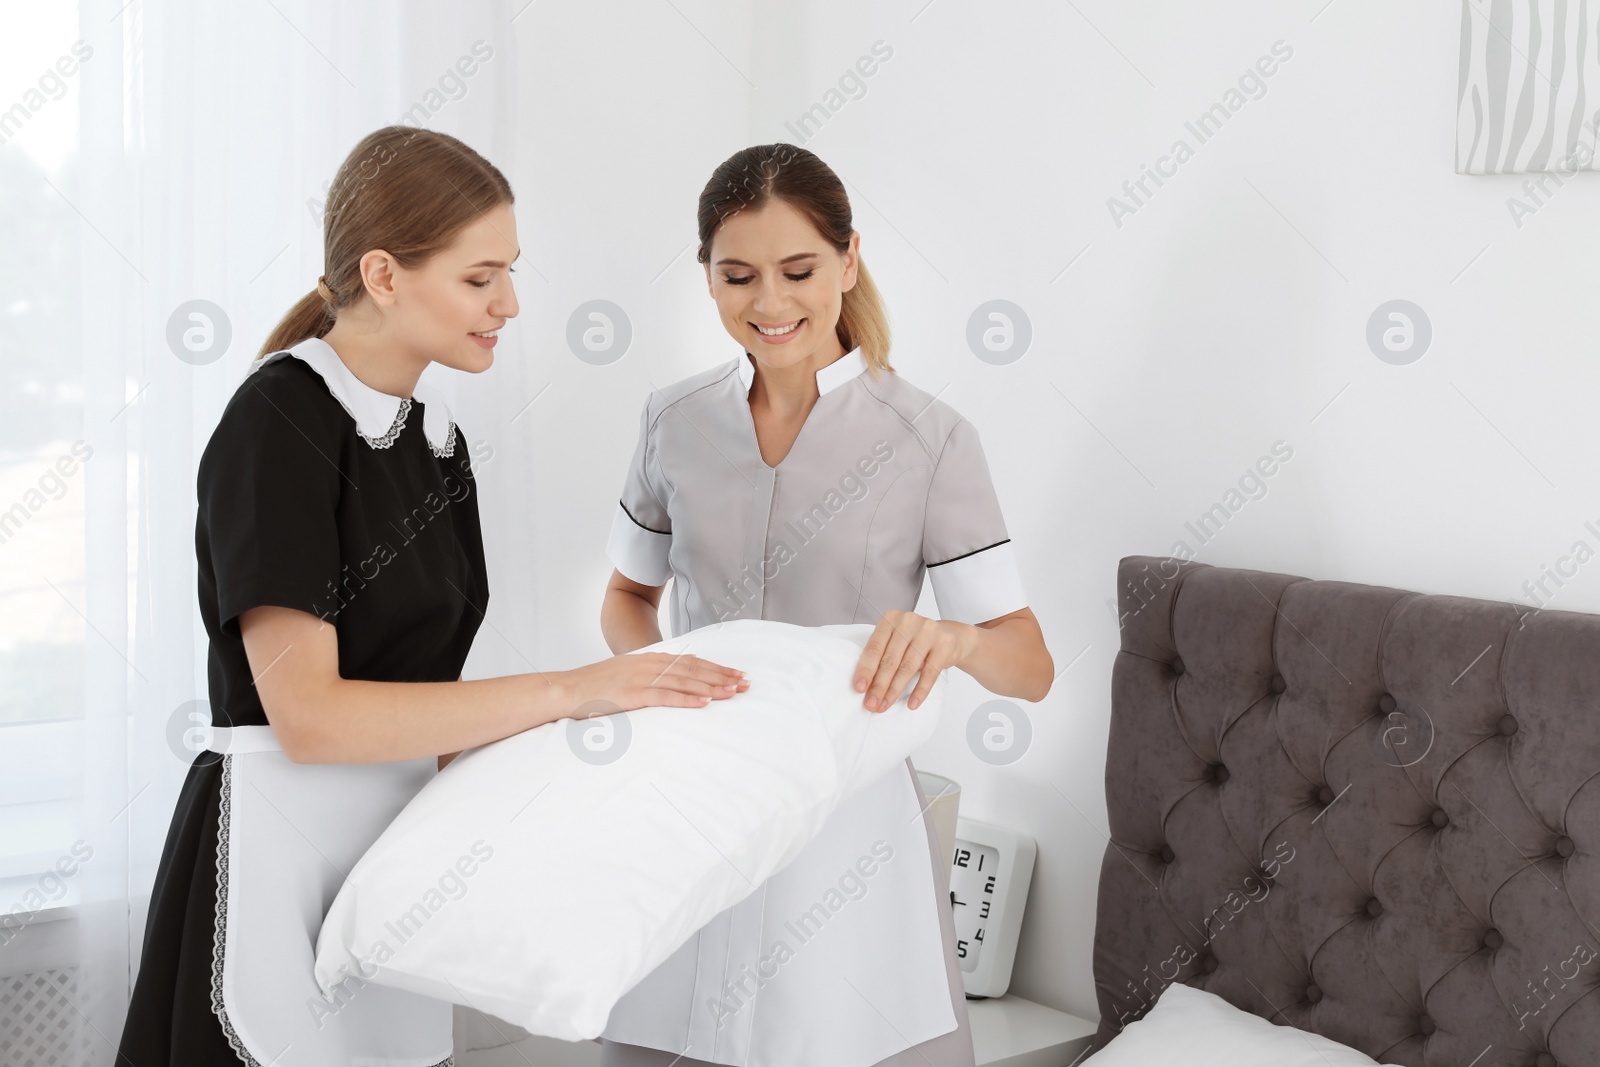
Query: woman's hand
907	644
653	679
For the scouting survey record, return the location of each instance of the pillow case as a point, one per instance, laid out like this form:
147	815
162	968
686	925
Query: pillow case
1199	1029
540	877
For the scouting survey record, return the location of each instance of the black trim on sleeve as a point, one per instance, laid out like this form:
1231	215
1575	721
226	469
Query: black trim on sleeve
963	555
641	525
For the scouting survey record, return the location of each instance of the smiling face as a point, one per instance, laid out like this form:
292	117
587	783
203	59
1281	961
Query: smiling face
779	285
443	309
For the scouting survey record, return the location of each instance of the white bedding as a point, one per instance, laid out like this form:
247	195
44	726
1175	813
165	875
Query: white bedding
540	886
1199	1029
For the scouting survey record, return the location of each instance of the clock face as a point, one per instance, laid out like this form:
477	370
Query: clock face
973	896
990	870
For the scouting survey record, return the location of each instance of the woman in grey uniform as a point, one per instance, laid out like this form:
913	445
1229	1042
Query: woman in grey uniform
808	483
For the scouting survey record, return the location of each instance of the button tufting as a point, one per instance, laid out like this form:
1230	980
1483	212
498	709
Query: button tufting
1177	664
1278	684
1313	994
1440	818
1386	703
1219	773
1209	962
1427	1025
1508	725
1374	907
1265	877
1565	846
1492	938
1166	853
1325	795
1544	1059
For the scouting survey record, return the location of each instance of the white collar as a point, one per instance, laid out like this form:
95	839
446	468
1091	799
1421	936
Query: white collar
379	416
844	369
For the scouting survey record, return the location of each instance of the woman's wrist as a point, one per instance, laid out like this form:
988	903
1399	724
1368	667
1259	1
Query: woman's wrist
968	639
555	694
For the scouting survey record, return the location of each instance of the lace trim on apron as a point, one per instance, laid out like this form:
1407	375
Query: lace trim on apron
219	927
221	923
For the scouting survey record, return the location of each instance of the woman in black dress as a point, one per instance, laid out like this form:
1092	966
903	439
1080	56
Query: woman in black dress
342	581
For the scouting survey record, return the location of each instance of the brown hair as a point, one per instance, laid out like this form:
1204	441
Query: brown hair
751	177
406	190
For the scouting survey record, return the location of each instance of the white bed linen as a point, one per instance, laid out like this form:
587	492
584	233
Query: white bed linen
1194	1028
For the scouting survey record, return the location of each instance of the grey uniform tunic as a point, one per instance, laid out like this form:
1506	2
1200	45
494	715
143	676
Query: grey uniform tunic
883	484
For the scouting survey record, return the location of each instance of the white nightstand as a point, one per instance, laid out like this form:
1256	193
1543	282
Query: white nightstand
1011	1032
1006	1032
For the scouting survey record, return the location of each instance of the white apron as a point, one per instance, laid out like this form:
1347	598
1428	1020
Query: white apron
775	982
287	833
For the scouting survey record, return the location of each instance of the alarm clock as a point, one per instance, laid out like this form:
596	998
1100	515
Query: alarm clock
989	876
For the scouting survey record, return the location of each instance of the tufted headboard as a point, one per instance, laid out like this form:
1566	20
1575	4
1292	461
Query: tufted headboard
1361	811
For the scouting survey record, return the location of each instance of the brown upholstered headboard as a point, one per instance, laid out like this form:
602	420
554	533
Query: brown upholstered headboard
1361	811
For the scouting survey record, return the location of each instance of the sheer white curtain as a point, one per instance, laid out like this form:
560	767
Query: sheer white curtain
153	154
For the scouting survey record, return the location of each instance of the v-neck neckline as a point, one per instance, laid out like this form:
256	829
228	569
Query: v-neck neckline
835	375
755	435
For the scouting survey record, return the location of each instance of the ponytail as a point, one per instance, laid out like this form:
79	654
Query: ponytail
862	322
311	317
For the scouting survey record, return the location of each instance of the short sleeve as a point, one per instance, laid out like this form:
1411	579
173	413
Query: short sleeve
970	559
269	486
641	531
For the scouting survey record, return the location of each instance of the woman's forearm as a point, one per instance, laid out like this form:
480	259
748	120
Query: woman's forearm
1008	657
320	716
446	757
628	621
352	721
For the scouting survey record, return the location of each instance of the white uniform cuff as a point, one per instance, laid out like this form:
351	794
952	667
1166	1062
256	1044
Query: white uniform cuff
979	587
639	554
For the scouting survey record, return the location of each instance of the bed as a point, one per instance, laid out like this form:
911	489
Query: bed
1362	812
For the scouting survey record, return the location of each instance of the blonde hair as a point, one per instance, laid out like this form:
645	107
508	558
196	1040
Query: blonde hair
406	190
751	177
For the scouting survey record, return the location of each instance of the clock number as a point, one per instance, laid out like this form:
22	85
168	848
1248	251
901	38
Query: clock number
984	914
979	935
961	949
988	887
962	856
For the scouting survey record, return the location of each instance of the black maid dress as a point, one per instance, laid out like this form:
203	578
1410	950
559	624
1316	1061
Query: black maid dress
298	508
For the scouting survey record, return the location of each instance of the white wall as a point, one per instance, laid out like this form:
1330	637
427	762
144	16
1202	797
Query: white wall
1226	314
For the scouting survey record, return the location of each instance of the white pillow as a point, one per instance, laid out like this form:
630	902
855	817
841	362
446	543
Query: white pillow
1199	1029
538	885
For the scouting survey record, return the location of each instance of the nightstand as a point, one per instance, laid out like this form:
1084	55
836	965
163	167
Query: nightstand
1011	1032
